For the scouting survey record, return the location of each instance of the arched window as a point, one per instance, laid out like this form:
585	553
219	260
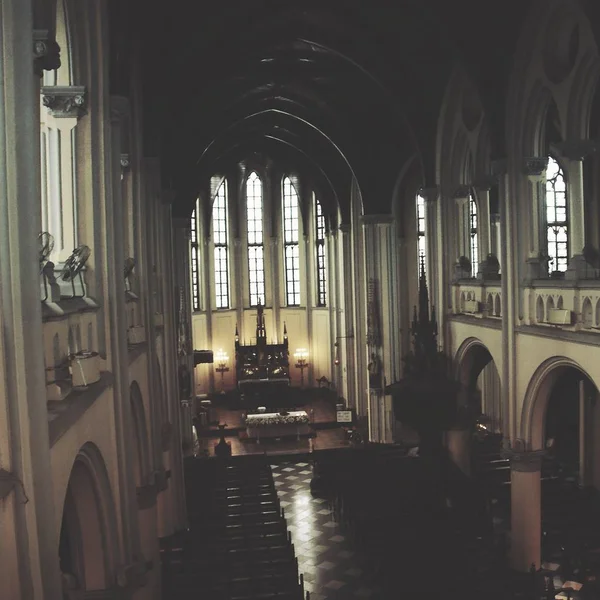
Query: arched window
220	238
290	243
195	262
254	220
421	236
473	236
557	232
321	262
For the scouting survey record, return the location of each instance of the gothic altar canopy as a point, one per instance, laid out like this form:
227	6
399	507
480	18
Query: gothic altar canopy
262	364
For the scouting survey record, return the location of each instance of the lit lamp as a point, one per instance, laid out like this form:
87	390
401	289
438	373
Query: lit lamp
221	358
301	356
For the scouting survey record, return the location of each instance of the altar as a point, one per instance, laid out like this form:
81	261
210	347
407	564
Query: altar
274	425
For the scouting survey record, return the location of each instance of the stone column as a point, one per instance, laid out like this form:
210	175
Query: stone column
535	171
346	341
29	541
495	236
525	502
510	293
117	351
458	442
184	319
382	320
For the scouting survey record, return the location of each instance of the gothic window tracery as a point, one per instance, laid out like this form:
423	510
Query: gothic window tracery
221	246
321	260
421	234
473	229
290	241
195	262
254	222
557	227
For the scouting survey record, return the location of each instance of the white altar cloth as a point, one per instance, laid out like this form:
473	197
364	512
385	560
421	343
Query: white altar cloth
275	425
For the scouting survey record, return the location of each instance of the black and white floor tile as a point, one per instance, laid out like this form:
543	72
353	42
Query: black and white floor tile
333	569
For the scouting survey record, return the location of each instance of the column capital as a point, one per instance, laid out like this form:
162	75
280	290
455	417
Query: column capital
119	108
461	193
576	149
535	167
430	194
524	461
345	227
377	219
46	52
486	182
64	101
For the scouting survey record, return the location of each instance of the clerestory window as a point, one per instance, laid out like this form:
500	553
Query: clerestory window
557	227
291	246
254	221
321	259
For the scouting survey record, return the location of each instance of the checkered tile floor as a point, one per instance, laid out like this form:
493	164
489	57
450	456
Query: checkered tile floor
332	567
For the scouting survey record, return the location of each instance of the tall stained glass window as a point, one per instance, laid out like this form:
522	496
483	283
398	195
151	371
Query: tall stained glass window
291	247
321	264
256	251
195	283
557	228
220	239
421	238
473	236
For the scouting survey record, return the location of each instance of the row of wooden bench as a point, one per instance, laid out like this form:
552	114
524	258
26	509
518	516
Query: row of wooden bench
237	546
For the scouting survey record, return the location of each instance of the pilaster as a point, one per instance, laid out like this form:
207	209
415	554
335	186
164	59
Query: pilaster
117	352
29	541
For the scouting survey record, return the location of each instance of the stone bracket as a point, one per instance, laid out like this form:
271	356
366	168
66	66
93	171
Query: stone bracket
63	102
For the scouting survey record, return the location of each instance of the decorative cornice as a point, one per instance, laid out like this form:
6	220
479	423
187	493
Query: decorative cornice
67	101
430	194
576	149
119	108
535	167
46	52
377	219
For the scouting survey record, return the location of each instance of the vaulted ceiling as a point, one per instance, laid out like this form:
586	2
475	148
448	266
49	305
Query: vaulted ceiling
342	88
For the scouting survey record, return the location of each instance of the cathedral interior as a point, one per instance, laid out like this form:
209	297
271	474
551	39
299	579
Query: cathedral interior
311	292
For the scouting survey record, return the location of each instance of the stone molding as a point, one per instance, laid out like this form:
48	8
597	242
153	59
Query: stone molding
377	219
535	167
46	52
524	461
65	101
